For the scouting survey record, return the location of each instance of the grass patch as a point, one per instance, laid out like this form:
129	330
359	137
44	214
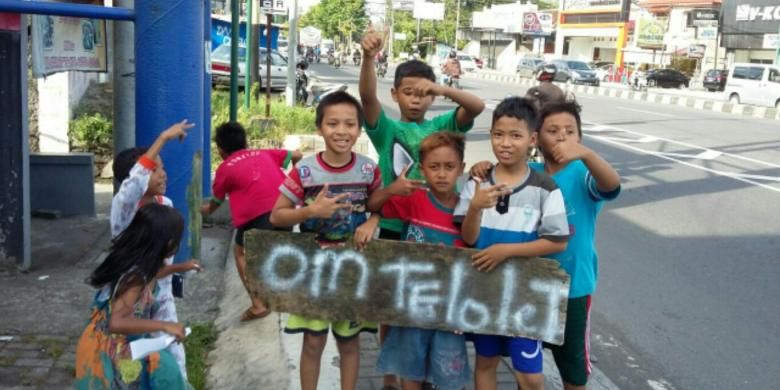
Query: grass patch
197	347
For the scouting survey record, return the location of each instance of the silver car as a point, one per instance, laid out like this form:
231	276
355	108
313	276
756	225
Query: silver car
575	72
220	67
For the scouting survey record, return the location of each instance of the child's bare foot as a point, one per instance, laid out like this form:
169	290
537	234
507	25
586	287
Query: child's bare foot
254	314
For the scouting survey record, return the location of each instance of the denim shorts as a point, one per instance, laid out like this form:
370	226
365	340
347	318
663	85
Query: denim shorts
435	356
526	353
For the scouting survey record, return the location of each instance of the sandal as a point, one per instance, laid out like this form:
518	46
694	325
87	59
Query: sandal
249	315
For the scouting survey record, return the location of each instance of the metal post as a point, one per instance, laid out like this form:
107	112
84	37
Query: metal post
777	51
248	62
67	9
206	121
268	66
292	51
457	24
124	82
164	97
234	27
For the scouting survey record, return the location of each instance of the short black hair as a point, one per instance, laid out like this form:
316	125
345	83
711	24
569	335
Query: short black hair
338	97
413	68
567	106
230	137
124	161
518	108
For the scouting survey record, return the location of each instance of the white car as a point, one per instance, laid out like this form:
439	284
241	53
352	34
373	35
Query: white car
757	84
220	67
467	63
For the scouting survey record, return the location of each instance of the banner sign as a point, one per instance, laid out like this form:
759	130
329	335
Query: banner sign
696	51
651	32
537	23
750	16
771	41
706	33
62	43
428	11
221	29
407	284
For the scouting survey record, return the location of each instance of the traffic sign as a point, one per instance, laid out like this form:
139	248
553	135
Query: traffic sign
274	7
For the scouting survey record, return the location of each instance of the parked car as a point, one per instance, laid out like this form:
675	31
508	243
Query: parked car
754	84
575	72
715	79
528	66
606	72
220	67
467	62
667	78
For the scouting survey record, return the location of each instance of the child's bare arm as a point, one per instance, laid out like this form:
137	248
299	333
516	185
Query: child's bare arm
372	43
607	179
487	259
401	186
123	320
178	130
469	229
365	232
210	207
286	214
297	155
179	268
470	105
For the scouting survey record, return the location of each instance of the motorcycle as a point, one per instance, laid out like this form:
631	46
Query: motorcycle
356	59
319	91
381	69
310	57
639	83
337	62
451	81
331	59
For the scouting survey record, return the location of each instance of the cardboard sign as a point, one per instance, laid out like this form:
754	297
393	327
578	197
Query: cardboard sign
407	284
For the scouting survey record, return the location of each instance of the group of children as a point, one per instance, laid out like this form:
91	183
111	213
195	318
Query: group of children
507	208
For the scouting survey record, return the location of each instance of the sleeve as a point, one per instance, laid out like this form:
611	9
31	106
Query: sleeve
292	187
283	157
463	204
381	134
220	186
554	225
125	202
376	183
397	207
449	121
596	194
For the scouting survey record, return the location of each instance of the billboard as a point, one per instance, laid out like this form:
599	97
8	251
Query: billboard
572	5
221	30
62	43
427	10
751	17
537	23
651	33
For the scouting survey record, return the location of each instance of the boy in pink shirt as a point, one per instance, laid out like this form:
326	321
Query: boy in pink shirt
252	178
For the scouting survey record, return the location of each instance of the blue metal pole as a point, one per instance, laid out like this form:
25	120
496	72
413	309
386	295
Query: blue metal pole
66	9
207	102
170	60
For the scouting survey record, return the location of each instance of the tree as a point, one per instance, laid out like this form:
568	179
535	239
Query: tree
342	20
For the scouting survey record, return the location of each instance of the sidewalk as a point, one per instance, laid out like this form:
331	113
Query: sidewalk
45	310
698	100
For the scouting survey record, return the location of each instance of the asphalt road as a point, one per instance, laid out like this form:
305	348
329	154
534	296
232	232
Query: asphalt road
690	253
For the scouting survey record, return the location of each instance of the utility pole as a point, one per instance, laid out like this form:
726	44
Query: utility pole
123	81
248	71
292	52
457	25
234	23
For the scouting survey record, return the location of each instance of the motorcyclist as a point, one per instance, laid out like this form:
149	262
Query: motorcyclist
546	91
451	67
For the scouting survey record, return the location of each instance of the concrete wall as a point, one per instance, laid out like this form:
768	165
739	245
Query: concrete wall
58	95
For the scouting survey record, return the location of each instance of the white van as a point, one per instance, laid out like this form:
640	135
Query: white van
754	84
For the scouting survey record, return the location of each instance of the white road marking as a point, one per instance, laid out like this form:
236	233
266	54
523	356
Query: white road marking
646	112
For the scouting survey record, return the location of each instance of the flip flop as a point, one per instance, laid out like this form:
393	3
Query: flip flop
249	315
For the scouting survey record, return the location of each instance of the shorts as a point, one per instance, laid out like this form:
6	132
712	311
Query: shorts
342	330
263	222
526	354
386	234
434	356
573	357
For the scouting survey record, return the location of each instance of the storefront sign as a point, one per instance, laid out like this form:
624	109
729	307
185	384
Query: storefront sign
696	51
771	41
704	16
651	33
62	43
706	33
751	17
570	5
537	23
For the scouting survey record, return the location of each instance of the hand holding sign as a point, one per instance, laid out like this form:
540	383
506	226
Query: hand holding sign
324	206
